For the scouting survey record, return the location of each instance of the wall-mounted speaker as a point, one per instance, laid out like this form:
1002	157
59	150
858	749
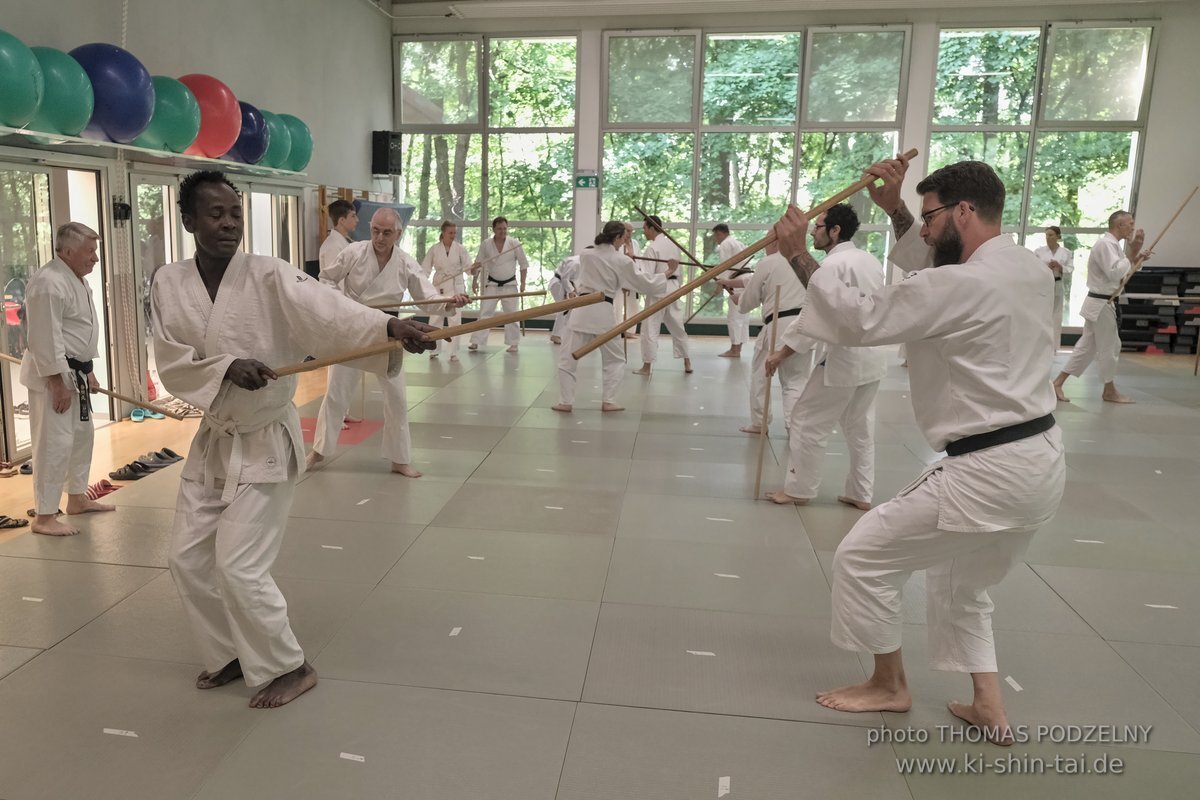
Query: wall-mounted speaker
385	153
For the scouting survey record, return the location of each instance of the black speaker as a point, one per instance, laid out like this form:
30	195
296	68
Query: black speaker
385	153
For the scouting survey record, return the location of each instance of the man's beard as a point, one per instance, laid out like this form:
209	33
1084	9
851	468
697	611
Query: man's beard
948	248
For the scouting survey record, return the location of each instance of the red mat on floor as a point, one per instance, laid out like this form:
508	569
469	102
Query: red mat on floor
355	434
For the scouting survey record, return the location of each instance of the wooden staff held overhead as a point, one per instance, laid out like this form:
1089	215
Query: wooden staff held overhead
712	272
443	333
166	412
1145	254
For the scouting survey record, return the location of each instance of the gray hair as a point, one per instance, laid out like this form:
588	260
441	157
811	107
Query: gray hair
71	235
395	216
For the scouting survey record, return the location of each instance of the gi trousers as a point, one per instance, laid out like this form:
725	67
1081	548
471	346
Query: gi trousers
612	359
1101	343
62	450
487	308
341	383
650	331
814	416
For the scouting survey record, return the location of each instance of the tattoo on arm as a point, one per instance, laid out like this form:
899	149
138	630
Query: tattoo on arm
902	220
804	265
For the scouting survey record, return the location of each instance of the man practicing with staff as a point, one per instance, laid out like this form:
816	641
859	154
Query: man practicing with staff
499	257
219	320
663	250
375	273
968	519
737	320
449	263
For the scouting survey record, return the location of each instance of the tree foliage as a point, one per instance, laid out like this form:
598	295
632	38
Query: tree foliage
855	76
650	79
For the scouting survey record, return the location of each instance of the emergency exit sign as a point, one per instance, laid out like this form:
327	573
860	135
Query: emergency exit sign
587	182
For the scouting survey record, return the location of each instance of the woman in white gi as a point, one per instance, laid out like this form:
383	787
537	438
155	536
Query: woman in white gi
220	319
499	258
1058	259
758	290
375	272
447	262
1108	264
843	385
659	247
57	370
968	519
602	268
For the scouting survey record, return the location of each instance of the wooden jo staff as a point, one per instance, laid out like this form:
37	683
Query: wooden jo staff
712	272
166	412
762	423
1145	254
666	261
435	300
443	333
737	273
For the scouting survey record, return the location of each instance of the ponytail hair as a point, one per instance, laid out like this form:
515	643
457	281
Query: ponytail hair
612	231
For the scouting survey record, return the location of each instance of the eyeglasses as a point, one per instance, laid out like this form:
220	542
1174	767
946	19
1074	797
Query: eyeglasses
931	213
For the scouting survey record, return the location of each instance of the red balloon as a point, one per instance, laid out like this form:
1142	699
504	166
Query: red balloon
220	116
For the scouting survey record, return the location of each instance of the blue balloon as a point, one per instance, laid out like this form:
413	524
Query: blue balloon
123	89
251	144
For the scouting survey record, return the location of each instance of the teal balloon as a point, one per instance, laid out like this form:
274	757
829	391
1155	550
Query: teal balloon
279	141
176	119
21	82
302	143
68	100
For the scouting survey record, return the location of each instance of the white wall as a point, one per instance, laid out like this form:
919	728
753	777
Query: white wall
328	63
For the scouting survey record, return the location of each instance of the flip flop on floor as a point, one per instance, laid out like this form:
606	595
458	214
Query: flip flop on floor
128	473
155	415
8	472
9	522
171	454
27	468
137	415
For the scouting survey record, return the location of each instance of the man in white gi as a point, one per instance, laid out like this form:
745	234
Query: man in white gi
606	269
448	262
968	519
758	289
57	370
1108	265
343	219
1058	259
221	321
499	257
561	287
843	385
375	272
659	247
737	321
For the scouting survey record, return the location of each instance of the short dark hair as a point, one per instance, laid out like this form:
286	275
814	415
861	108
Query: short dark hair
973	181
339	210
498	220
842	216
612	231
720	227
1116	215
654	222
1057	230
192	183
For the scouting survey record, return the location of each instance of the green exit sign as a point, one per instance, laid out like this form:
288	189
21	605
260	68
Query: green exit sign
587	181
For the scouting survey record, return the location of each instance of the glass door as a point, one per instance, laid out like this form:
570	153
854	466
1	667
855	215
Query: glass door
156	241
26	242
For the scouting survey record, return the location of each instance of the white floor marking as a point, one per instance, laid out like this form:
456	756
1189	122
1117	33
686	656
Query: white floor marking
33	599
1016	686
1158	472
579	441
363	502
727	575
722	786
445	437
553	508
718	519
539	469
119	732
472	413
697	449
1089	541
332	547
477	558
456	631
352	757
685	476
701	653
1156	605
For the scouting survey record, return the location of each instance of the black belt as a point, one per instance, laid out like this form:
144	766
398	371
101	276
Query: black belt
608	299
1058	277
392	313
79	372
1109	298
1013	433
791	312
1099	296
672	277
503	282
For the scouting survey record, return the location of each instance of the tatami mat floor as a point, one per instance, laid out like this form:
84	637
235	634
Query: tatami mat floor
592	606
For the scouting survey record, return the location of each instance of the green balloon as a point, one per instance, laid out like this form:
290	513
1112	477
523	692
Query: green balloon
279	141
176	119
21	82
68	101
302	143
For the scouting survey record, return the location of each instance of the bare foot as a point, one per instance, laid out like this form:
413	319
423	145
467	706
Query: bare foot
783	498
46	524
1059	396
1116	397
645	370
733	352
79	504
555	340
687	366
405	469
313	460
754	429
611	407
511	349
563	407
454	358
286	688
211	680
472	347
993	722
859	504
867	696
349	420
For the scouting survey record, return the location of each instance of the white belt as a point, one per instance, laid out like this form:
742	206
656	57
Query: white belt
233	470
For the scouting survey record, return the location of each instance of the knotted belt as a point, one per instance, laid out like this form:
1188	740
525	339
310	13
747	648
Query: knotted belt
79	372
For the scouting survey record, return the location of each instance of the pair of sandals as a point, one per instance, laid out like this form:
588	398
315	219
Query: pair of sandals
143	414
100	489
146	464
12	522
8	469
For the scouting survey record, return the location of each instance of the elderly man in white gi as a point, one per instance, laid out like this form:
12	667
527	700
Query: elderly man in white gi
606	269
1058	260
737	321
57	370
758	290
659	247
1108	265
499	258
448	263
969	518
844	384
375	273
221	321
